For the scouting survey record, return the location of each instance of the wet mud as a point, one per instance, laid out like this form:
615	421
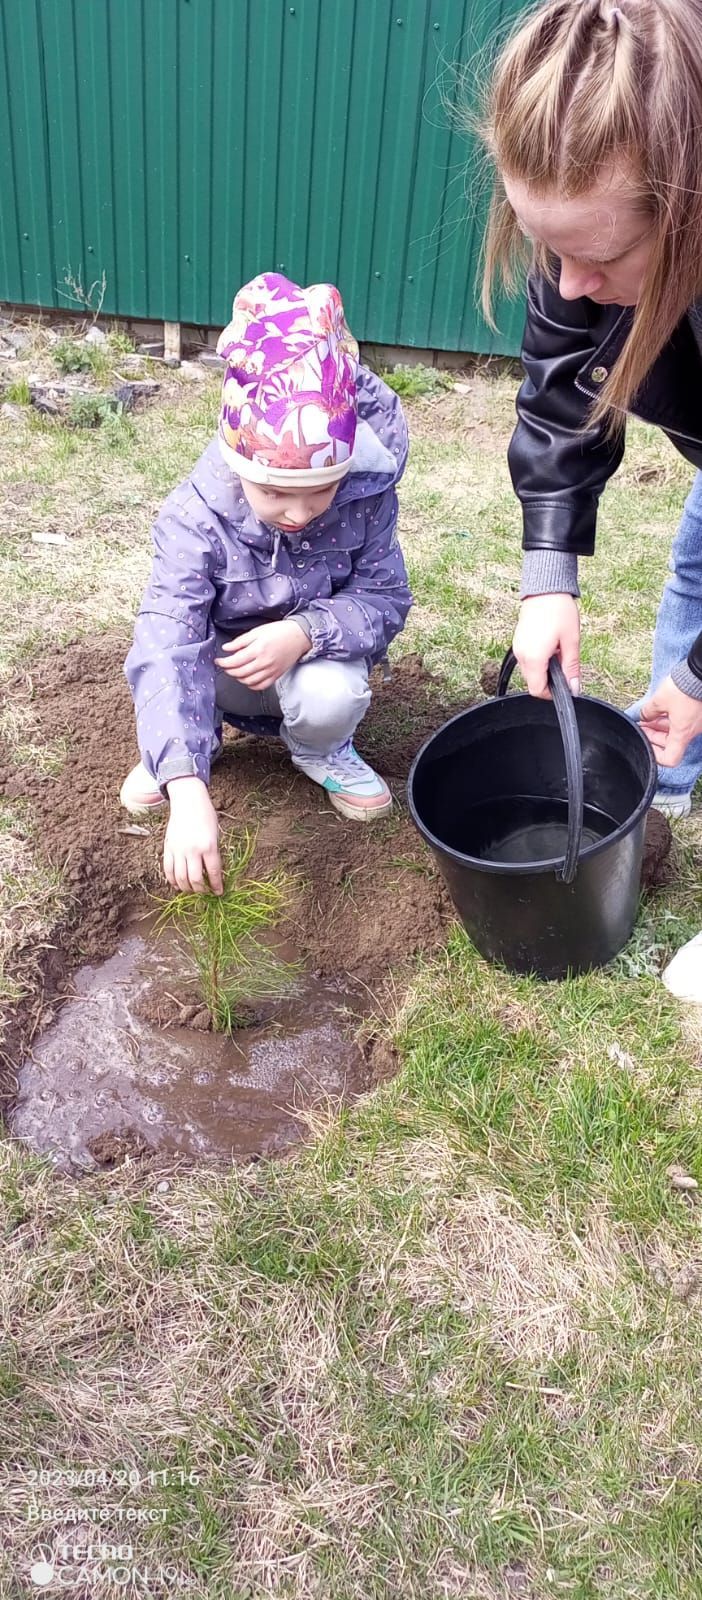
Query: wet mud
112	1074
365	902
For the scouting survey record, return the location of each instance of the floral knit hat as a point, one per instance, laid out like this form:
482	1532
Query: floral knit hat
289	395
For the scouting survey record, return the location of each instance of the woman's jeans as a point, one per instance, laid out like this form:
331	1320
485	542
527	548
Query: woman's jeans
678	623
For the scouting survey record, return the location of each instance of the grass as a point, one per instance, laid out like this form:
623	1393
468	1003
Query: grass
453	1347
73	355
224	936
19	392
563	1089
410	382
32	899
89	410
18	730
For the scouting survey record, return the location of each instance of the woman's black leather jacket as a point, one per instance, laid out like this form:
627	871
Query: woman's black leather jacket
559	466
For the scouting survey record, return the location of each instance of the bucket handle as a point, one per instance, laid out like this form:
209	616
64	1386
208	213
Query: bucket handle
567	722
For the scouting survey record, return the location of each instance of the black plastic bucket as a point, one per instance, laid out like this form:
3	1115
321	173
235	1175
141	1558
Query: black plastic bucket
535	811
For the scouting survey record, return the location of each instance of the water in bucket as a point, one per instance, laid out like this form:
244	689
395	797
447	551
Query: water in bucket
524	827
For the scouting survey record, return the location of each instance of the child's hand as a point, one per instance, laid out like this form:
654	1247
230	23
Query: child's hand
258	657
191	847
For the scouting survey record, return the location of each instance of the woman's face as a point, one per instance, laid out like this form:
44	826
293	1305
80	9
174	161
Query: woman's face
603	237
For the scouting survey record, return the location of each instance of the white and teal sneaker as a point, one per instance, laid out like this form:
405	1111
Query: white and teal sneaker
353	787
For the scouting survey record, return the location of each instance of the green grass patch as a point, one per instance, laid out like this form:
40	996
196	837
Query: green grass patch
120	343
574	1094
19	392
412	381
72	355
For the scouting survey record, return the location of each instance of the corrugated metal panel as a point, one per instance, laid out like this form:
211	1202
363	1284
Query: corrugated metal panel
180	146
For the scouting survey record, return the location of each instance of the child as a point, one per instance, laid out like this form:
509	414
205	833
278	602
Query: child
277	578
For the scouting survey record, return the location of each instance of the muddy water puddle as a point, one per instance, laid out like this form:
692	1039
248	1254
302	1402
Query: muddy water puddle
104	1077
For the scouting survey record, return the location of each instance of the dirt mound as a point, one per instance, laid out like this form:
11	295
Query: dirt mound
657	867
366	900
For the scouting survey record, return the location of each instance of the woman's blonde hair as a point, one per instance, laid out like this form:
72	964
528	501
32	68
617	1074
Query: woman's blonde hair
583	84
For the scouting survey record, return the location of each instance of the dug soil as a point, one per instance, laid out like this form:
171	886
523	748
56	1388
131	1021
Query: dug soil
98	1065
366	900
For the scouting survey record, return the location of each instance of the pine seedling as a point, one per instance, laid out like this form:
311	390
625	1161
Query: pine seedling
223	936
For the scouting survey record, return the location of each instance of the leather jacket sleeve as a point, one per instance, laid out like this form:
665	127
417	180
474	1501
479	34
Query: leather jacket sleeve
559	465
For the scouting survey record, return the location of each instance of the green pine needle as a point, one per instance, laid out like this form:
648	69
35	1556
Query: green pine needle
223	933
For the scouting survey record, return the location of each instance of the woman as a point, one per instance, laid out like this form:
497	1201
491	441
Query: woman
595	127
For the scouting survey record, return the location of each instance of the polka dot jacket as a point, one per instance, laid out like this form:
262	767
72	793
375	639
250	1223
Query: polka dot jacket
217	571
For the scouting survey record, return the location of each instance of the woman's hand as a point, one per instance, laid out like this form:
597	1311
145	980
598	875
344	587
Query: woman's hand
190	847
549	624
258	657
670	719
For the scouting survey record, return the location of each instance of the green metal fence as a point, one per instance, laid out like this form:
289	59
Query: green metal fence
177	147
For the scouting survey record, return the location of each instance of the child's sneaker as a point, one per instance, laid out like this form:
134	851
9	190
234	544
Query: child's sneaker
140	794
353	787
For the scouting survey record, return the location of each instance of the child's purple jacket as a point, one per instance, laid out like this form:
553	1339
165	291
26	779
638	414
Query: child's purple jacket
218	571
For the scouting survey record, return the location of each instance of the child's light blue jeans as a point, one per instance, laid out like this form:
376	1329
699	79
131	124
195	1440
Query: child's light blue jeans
321	703
678	623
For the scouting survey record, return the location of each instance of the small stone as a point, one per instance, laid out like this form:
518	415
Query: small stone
660	1275
621	1058
247	1017
20	339
193	371
687	1280
49	538
10	412
95	336
516	1578
186	1014
133	392
163	1187
462	388
682	1180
